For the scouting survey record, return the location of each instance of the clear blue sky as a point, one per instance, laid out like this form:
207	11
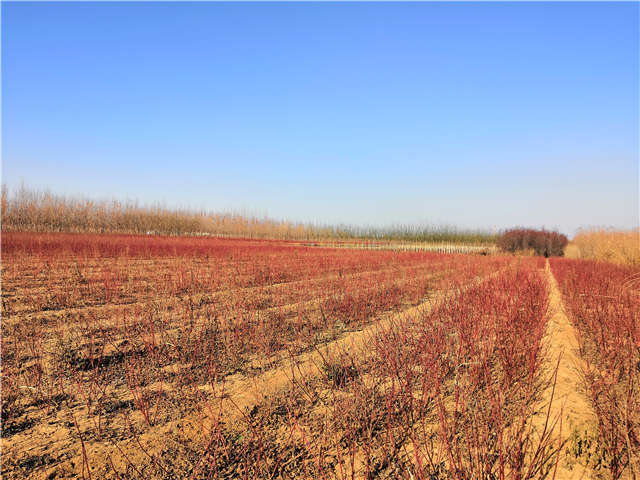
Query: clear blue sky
478	115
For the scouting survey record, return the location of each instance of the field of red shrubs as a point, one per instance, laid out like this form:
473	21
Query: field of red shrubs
603	302
182	357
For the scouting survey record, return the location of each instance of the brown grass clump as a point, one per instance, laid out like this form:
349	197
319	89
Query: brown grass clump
621	247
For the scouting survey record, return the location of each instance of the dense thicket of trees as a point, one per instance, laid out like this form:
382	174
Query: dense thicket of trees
542	242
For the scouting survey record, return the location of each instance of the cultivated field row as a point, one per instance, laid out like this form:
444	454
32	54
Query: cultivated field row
603	302
217	358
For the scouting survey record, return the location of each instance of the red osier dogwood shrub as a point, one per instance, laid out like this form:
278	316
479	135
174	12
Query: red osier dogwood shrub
542	242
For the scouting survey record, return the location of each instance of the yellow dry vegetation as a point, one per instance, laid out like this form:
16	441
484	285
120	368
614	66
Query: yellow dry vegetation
622	247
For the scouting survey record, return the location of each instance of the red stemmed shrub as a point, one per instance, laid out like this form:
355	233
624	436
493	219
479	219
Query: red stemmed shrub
118	340
603	302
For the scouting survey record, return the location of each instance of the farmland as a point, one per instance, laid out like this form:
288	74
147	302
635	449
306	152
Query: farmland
128	356
319	240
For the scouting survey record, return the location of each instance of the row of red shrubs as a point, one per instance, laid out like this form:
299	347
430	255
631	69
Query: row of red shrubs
542	242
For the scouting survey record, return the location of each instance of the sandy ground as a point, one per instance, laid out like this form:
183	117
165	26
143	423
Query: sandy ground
569	405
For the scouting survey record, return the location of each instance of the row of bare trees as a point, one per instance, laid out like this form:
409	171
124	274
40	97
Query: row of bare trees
27	209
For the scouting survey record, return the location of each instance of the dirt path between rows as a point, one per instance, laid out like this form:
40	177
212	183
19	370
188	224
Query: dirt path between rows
569	401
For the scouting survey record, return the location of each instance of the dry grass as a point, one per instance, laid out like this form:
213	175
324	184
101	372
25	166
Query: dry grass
621	247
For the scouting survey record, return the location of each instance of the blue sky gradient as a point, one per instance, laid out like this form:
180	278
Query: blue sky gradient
478	115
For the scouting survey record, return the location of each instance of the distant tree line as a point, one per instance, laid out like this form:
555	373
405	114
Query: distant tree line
27	209
541	242
420	233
